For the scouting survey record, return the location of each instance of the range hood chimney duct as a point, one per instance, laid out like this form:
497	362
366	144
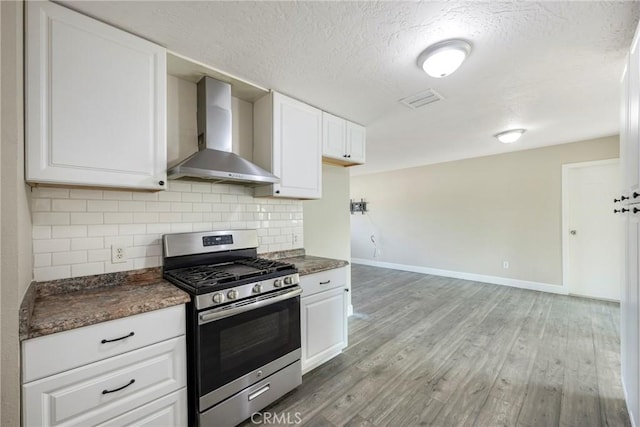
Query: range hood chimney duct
215	159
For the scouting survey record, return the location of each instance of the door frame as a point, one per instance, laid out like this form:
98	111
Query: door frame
565	199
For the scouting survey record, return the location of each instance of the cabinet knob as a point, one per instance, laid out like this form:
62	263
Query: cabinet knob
623	198
345	156
277	191
616	200
636	210
160	182
636	195
623	210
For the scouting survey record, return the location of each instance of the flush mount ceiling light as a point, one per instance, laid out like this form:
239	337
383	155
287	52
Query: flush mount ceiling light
445	57
509	136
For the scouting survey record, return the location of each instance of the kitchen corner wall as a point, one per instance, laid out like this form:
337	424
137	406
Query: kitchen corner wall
74	229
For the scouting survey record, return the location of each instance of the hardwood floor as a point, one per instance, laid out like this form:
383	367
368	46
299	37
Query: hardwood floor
428	350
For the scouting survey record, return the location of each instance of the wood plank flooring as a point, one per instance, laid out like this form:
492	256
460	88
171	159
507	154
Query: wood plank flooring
434	351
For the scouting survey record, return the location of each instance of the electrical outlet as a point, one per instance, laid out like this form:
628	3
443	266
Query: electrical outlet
118	254
505	265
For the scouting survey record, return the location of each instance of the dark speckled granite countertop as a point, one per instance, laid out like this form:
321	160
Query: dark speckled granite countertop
306	264
60	305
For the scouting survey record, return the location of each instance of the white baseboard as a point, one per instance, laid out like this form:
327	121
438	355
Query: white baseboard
496	280
626	399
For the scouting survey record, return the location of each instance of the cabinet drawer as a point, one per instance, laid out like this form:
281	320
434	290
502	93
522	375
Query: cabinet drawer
168	411
100	391
55	353
322	281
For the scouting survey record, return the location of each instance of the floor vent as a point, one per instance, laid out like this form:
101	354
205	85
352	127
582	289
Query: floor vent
421	99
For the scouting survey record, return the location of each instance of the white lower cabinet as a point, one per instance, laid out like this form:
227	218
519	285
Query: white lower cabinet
323	317
143	386
170	410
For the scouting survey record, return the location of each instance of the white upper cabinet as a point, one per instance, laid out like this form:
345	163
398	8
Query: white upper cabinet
95	102
288	143
356	143
334	137
343	142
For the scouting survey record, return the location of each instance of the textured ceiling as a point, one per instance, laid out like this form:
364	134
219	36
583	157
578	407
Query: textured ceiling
550	67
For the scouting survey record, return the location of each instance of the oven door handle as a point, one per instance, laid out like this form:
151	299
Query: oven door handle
218	314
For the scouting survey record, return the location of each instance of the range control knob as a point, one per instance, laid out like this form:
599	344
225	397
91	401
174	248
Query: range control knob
257	288
288	280
232	294
277	283
218	298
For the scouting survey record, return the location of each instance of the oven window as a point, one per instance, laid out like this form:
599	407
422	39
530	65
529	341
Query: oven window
235	346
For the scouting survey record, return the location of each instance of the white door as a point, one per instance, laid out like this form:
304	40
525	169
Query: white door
593	233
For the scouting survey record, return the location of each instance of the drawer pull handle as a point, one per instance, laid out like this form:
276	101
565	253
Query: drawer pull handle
118	339
118	389
325	283
259	392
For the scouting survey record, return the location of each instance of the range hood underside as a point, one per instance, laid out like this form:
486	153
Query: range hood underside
219	165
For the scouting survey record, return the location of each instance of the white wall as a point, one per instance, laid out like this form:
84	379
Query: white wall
15	262
327	222
469	216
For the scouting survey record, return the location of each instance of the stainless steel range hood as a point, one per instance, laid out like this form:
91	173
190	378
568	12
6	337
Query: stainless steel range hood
214	159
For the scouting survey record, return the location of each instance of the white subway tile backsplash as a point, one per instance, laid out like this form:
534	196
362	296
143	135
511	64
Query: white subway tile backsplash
88	269
41	205
84	243
181	207
102	230
50	218
41	260
74	230
102	206
147	262
183	187
117	195
151	197
129	229
158	207
211	198
170	196
96	255
68	205
51	273
86	194
131	206
41	232
191	197
68	231
145	217
50	193
200	188
87	218
158	228
118	218
51	245
64	258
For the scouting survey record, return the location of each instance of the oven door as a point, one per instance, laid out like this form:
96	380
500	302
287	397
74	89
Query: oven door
242	343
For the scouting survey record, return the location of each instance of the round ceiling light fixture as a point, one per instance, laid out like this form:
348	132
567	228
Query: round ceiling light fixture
509	136
445	57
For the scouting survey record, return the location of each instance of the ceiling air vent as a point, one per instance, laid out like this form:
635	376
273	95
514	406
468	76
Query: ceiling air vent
421	99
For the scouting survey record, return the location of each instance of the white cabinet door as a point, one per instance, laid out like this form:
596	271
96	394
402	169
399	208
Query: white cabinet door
97	392
168	411
356	143
95	102
334	137
323	325
288	143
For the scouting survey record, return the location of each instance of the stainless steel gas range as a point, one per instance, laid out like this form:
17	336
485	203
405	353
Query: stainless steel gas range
243	324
